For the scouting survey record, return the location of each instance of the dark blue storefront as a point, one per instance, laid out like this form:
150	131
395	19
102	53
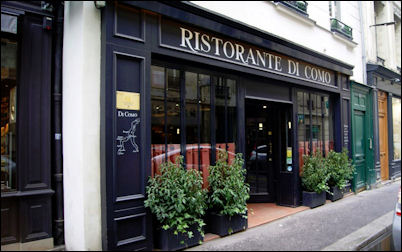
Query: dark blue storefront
200	83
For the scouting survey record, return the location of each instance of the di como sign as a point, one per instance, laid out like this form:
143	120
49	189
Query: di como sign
184	38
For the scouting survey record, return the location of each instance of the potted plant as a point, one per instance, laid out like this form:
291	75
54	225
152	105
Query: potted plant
340	169
178	202
314	177
228	193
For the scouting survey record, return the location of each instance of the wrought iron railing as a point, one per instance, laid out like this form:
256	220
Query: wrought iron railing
342	28
299	6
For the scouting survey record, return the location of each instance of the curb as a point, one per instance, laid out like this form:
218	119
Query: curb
364	236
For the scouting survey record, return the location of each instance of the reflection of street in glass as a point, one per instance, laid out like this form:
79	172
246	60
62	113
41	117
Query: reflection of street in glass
7	170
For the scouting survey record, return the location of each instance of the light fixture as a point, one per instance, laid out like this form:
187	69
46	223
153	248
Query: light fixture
100	4
178	131
265	106
260	126
290	125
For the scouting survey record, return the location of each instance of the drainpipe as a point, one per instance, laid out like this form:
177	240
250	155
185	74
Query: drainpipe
58	213
363	43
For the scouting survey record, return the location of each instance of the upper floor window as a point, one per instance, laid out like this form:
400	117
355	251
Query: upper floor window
335	20
298	6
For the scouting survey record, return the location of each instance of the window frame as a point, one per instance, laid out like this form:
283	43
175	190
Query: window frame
200	69
309	108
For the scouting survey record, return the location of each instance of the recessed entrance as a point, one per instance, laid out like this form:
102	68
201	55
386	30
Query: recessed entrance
268	127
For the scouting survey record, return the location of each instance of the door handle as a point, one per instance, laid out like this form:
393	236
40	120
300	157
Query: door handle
370	143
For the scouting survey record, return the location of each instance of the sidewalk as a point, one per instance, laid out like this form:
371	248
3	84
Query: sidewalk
318	228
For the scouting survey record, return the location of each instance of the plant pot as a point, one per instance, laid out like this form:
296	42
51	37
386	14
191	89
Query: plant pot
167	240
313	199
223	225
336	193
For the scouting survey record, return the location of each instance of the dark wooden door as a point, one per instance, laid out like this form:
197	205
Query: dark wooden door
260	152
268	142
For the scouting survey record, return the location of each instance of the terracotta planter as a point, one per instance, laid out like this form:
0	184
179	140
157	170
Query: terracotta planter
313	199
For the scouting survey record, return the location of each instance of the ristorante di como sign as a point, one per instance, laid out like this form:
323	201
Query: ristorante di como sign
193	40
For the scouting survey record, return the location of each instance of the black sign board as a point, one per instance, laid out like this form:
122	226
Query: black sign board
188	39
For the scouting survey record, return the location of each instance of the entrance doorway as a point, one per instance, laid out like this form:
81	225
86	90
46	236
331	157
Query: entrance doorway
383	132
268	137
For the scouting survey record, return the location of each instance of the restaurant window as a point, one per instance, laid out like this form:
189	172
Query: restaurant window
8	113
396	122
314	124
190	99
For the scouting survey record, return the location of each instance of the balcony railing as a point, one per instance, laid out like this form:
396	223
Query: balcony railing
299	6
338	26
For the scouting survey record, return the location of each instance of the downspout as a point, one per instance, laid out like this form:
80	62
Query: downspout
58	209
363	43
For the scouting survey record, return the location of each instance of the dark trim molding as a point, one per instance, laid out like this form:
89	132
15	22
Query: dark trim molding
27	7
383	71
27	193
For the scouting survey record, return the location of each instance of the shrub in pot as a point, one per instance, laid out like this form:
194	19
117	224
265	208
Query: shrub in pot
228	193
340	169
178	203
314	177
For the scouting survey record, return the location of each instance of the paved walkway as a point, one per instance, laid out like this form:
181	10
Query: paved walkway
313	229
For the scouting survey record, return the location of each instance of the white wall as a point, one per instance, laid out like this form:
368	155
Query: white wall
268	16
81	126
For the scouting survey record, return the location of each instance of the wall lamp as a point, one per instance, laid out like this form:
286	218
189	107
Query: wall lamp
100	4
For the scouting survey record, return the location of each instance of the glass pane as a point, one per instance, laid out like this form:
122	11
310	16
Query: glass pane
192	112
231	119
327	126
319	113
396	122
302	116
8	114
204	82
173	114
314	125
286	133
157	117
220	115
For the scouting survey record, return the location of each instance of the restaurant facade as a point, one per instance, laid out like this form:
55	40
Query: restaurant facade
118	88
178	80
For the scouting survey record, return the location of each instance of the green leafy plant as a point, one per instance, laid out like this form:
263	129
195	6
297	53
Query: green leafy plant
340	168
228	189
314	175
176	198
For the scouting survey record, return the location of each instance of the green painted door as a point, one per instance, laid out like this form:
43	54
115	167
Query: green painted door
359	155
362	137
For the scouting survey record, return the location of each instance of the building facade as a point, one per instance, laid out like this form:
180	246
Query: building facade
146	81
382	22
31	176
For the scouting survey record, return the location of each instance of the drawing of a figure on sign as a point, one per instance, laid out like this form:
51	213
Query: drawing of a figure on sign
129	135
